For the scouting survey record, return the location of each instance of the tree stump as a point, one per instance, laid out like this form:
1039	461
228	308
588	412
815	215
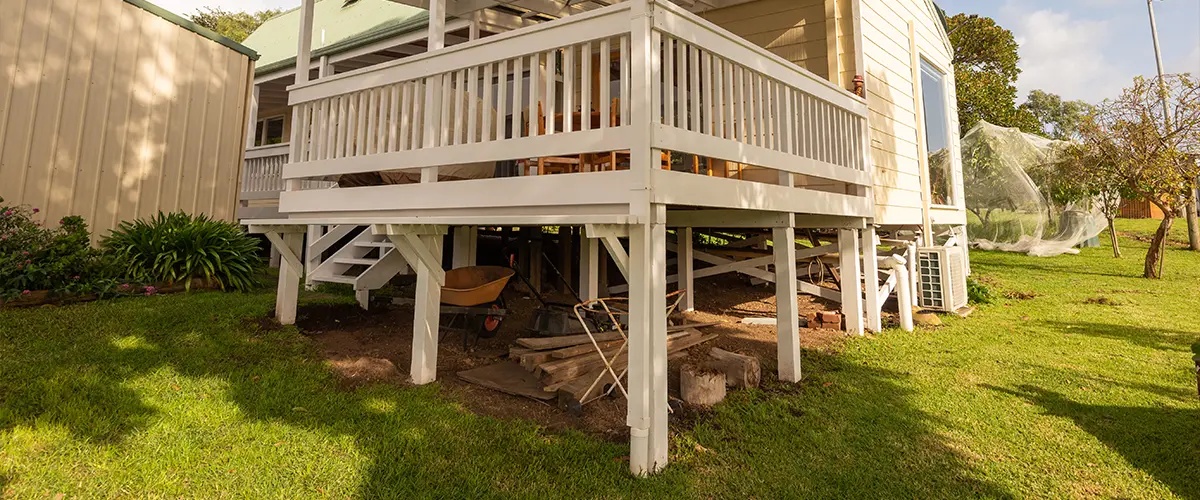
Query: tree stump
701	386
740	371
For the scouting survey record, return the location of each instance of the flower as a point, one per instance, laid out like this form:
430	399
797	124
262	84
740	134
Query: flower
35	210
26	292
20	266
150	291
25	253
8	212
76	277
27	262
124	286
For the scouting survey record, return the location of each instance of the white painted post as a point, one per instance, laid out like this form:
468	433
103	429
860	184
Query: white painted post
473	246
276	258
463	250
589	268
647	345
437	25
312	260
851	271
659	408
304	51
325	68
903	298
288	291
426	316
871	280
914	276
787	311
253	128
686	262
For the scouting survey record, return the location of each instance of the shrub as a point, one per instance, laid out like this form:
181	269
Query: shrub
60	260
979	293
174	247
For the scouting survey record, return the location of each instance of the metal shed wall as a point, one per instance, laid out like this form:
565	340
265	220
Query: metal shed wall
112	112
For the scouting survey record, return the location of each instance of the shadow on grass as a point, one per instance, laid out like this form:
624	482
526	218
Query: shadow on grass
1152	338
1163	442
849	430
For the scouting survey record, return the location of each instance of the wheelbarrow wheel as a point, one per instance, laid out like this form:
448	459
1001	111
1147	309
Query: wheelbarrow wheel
491	324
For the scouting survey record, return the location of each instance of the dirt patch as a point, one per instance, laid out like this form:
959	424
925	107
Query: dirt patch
357	344
262	323
1103	301
1020	295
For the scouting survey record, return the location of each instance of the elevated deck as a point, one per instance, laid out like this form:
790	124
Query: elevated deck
624	120
685	115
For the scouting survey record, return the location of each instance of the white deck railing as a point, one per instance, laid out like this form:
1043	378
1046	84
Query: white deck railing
544	91
263	171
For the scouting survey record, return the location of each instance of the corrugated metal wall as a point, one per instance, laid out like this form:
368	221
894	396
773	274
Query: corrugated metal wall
111	112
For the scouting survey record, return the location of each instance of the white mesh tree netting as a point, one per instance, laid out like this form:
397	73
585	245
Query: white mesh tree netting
1009	183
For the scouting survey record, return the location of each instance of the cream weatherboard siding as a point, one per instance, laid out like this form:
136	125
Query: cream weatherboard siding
112	112
800	31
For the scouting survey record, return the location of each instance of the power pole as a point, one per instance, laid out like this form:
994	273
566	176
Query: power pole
1189	205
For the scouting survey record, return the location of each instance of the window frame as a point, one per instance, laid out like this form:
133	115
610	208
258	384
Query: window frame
951	135
260	130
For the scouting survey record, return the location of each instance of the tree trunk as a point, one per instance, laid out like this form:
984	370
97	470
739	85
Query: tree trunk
1154	256
1190	217
1112	233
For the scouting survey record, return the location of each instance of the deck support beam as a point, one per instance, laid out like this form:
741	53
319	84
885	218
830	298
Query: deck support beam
465	246
647	417
851	273
589	267
288	242
787	311
312	257
687	276
871	280
421	246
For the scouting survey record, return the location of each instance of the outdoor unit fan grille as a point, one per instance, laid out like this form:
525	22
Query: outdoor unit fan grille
943	281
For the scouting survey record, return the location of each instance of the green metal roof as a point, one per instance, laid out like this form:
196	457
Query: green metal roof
193	27
338	26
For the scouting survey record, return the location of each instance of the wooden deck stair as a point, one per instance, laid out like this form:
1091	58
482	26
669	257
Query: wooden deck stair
367	262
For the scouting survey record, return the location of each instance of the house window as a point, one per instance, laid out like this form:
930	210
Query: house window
937	134
269	131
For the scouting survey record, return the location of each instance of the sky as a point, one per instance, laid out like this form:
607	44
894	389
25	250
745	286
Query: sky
1079	49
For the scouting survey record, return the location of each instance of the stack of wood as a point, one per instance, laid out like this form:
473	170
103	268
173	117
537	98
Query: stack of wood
570	366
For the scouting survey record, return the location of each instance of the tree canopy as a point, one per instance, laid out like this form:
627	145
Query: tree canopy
1149	148
233	25
1061	119
985	72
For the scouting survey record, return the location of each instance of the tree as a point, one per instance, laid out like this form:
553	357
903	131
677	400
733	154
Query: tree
1060	119
233	25
985	73
1095	182
1131	140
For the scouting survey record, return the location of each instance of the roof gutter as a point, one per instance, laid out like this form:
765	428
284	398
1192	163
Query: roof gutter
193	27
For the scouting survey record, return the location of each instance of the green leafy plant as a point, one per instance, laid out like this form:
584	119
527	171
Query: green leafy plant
978	292
170	248
59	260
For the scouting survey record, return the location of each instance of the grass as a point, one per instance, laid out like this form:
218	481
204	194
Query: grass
1044	397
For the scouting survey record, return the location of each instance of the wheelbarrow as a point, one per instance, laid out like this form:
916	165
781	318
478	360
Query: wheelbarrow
472	302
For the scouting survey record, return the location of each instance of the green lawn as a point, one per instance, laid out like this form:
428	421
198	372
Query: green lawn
1045	397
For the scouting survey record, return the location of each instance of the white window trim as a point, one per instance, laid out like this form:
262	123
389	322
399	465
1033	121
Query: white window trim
263	120
952	140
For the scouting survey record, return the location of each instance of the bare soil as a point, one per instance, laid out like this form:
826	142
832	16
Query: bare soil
358	344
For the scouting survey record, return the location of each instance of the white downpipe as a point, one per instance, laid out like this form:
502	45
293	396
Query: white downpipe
899	266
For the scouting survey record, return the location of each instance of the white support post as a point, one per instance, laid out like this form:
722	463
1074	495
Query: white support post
275	259
437	25
473	257
288	291
325	68
304	51
687	276
312	260
899	268
647	417
787	311
914	277
253	128
851	273
463	247
426	315
871	280
589	268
